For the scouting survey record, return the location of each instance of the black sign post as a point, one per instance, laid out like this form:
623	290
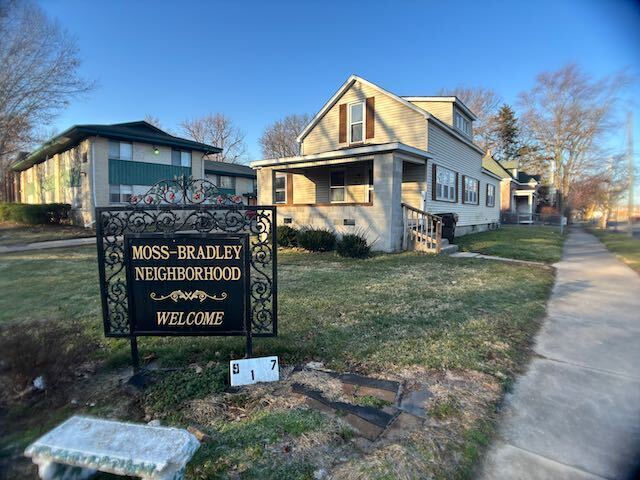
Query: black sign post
184	259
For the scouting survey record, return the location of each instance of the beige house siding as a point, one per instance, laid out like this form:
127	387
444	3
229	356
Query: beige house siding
441	110
455	155
394	122
414	184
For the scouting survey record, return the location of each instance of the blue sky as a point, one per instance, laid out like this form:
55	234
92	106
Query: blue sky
259	61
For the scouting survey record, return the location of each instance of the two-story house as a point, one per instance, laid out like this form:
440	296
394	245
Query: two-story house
90	166
374	162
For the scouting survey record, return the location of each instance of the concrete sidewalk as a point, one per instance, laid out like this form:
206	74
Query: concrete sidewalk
575	414
70	242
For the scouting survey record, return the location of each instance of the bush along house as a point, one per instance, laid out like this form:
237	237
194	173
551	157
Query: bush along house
388	166
90	166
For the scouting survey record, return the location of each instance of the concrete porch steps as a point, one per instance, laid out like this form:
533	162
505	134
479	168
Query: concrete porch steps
447	248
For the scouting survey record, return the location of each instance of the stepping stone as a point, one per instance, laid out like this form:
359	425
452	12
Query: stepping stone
414	401
81	446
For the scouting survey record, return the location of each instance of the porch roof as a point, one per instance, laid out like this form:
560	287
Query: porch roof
345	155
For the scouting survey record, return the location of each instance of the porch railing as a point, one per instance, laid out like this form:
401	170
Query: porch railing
422	231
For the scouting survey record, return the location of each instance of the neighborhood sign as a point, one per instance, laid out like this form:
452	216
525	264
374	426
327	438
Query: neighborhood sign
186	259
188	284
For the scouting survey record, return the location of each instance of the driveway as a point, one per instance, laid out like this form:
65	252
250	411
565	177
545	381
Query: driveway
575	414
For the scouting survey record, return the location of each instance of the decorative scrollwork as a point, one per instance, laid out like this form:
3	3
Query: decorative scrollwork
185	191
194	207
178	295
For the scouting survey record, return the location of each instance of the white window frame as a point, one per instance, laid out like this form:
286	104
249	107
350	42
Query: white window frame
342	187
471	195
182	157
462	123
350	123
119	157
452	185
276	190
491	186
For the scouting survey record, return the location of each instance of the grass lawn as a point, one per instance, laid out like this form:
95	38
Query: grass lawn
625	247
464	325
17	234
522	242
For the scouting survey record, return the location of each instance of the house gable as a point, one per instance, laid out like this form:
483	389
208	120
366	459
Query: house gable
394	120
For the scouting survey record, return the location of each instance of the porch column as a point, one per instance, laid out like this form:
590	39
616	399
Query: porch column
265	187
386	212
530	203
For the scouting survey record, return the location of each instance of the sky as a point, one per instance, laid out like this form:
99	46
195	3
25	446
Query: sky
259	61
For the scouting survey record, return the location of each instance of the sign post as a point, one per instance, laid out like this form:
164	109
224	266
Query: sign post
184	259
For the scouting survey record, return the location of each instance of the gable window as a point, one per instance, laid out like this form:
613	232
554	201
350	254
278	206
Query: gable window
471	187
463	124
280	188
120	193
446	188
120	150
356	122
181	158
337	186
491	195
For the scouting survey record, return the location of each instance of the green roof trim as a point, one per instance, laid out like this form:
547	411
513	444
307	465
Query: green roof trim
142	132
229	174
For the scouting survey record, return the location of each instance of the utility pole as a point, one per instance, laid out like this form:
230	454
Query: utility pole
631	171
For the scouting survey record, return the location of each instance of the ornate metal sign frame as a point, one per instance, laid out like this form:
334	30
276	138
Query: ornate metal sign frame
187	205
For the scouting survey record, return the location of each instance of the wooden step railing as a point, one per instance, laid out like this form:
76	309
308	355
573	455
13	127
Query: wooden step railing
422	231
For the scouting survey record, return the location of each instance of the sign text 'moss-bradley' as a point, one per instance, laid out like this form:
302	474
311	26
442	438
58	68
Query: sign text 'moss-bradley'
187	284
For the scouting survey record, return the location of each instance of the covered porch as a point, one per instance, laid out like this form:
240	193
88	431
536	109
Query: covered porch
524	205
359	189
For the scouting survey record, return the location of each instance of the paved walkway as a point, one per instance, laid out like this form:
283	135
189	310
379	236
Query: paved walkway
575	414
70	242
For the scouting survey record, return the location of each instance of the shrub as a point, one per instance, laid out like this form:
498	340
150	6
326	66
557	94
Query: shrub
353	245
53	213
317	239
287	236
47	348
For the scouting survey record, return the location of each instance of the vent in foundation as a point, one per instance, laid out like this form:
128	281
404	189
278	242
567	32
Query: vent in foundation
349	221
288	220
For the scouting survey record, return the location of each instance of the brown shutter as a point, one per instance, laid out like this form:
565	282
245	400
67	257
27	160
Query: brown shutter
486	195
478	199
289	188
370	118
458	188
342	128
433	181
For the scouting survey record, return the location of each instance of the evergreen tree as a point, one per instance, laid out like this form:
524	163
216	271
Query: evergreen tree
507	134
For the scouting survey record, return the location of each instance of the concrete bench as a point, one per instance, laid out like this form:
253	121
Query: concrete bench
82	446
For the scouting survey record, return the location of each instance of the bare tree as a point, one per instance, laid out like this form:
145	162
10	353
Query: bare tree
484	103
153	120
39	77
218	130
279	138
566	117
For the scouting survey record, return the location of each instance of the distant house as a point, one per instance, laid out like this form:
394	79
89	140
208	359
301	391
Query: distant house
232	178
375	162
519	191
100	165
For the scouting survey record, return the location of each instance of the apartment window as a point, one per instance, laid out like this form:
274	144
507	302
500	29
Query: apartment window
491	195
471	187
337	186
120	150
356	122
227	182
463	124
280	188
445	184
120	193
181	158
370	185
